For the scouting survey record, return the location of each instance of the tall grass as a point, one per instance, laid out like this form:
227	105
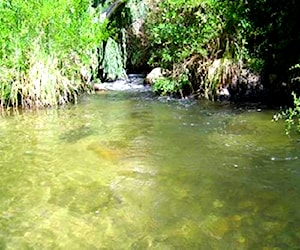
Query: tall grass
46	48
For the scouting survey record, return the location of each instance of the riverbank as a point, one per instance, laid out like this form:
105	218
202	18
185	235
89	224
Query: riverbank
228	57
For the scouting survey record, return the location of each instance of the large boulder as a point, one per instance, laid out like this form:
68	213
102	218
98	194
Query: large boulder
154	75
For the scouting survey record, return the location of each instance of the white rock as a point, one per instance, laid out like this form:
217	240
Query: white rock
155	74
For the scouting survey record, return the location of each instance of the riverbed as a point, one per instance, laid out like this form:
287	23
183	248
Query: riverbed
124	170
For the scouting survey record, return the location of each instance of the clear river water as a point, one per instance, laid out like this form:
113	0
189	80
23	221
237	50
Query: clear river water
128	171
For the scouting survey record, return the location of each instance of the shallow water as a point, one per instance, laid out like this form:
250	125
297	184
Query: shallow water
118	171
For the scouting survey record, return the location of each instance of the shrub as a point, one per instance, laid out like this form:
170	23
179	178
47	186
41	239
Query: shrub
291	116
171	86
46	48
189	36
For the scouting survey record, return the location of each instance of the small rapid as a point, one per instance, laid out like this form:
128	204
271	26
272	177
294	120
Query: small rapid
133	83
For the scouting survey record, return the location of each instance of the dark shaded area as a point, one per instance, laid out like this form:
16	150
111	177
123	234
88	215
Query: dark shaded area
112	12
77	134
270	31
101	53
96	3
136	48
263	34
275	38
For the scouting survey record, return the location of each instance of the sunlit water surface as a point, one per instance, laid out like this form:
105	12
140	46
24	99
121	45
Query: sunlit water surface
118	171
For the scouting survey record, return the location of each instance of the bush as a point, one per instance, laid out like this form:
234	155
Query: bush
291	116
187	37
171	86
47	47
258	35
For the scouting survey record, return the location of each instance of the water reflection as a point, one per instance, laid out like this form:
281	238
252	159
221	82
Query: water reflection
119	172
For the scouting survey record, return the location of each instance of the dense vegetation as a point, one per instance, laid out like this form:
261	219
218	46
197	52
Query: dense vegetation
208	45
50	49
204	46
47	48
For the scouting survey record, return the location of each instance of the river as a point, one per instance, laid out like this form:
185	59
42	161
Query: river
121	171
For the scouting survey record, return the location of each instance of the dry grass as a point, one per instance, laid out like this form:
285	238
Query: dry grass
43	84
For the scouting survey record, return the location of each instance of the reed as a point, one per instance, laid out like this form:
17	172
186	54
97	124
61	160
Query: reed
47	51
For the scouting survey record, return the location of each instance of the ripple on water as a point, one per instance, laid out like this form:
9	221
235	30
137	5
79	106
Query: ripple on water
119	173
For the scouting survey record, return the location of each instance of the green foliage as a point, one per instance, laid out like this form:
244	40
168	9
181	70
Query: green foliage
164	86
44	45
257	34
168	85
256	64
295	74
276	36
291	116
180	31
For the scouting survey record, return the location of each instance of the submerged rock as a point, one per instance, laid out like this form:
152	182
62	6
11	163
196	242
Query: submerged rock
215	227
104	151
78	133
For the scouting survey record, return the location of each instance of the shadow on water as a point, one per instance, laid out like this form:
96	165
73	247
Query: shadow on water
76	134
119	171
